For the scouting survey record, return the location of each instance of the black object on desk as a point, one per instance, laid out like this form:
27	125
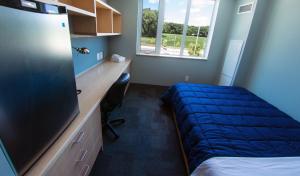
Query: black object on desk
112	100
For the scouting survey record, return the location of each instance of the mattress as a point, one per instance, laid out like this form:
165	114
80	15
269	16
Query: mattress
243	166
219	121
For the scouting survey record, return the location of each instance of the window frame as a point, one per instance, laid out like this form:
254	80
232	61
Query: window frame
160	29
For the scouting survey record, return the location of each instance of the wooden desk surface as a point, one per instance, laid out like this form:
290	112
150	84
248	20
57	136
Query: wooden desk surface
94	85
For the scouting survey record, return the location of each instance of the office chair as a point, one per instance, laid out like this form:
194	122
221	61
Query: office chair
112	100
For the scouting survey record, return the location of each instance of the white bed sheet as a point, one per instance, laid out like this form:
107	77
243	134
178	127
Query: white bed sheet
243	166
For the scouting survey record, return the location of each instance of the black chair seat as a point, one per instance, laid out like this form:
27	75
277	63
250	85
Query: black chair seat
112	100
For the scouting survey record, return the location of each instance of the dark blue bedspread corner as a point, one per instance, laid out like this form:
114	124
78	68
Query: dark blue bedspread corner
166	97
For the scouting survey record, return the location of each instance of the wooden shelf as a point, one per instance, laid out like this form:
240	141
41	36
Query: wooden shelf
117	23
83	25
81	36
77	11
104	20
87	5
101	4
109	20
107	34
89	18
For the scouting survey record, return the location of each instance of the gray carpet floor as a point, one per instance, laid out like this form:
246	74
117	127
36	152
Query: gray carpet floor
148	143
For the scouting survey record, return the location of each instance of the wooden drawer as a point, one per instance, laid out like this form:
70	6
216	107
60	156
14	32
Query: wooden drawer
66	163
80	155
92	143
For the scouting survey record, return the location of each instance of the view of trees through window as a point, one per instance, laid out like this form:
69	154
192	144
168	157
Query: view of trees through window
174	20
149	28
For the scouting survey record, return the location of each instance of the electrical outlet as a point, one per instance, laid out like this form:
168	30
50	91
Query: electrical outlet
99	56
187	78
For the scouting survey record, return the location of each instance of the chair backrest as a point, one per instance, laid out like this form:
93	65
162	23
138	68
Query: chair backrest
115	95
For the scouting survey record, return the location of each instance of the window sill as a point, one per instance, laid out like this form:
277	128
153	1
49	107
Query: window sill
173	57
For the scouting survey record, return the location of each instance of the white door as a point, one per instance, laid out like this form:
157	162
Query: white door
231	62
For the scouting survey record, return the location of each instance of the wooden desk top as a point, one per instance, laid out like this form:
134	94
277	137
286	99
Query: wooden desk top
94	85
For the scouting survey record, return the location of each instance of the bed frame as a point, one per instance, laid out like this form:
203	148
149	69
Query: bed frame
181	146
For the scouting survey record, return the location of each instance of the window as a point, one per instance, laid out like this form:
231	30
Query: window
176	27
149	26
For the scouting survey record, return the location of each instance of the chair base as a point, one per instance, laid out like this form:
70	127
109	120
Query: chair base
112	123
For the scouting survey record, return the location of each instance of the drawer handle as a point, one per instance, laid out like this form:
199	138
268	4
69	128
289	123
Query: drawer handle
82	156
85	170
79	139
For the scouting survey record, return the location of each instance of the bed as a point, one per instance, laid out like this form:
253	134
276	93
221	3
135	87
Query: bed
219	125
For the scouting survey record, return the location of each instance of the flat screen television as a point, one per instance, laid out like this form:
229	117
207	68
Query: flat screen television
38	97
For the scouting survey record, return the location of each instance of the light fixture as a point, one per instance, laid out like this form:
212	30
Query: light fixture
82	50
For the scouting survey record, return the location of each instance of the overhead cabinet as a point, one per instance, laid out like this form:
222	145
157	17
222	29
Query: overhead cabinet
87	5
108	20
91	17
104	20
82	25
117	20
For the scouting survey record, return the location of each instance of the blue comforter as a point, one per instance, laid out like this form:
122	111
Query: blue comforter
217	121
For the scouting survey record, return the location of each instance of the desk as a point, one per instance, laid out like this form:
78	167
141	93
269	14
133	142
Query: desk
94	85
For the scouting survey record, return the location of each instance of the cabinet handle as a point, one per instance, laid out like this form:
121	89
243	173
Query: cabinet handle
85	170
82	156
80	137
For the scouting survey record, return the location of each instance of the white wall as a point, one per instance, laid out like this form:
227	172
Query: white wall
273	71
240	27
259	19
241	22
167	71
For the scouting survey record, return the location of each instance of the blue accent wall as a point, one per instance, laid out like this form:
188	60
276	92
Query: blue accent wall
95	45
5	168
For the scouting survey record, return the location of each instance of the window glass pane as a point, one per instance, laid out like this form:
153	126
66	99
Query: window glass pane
149	26
198	27
175	11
